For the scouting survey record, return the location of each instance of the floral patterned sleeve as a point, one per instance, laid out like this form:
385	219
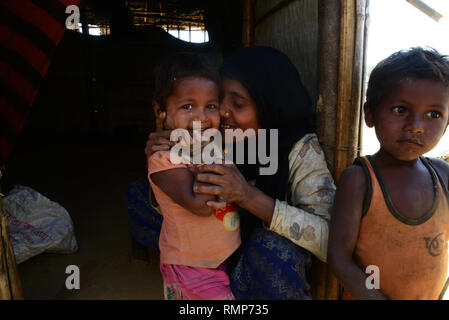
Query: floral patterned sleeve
304	217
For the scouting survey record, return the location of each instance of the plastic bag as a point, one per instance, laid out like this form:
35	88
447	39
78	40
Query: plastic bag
36	224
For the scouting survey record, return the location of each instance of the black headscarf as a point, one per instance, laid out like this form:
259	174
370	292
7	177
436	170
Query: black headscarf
283	103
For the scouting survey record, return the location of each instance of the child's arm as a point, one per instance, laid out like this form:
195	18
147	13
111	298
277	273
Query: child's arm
178	185
344	230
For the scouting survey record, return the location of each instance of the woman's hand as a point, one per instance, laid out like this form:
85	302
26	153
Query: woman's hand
223	180
226	181
160	139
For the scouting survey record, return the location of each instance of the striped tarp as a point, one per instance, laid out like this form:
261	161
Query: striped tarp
30	31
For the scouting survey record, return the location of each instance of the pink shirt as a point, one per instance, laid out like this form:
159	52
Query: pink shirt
185	238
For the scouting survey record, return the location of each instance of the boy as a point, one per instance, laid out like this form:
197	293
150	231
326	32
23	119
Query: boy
391	210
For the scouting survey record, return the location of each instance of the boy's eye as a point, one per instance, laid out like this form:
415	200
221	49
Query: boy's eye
433	114
399	109
187	106
211	106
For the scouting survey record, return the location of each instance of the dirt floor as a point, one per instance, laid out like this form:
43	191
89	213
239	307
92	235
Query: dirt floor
89	179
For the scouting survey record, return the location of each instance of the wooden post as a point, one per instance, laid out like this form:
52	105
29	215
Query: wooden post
327	69
341	58
10	285
353	31
324	285
351	66
248	23
426	9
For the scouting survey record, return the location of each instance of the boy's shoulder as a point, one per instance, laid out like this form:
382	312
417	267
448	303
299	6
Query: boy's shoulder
352	191
440	163
354	177
442	167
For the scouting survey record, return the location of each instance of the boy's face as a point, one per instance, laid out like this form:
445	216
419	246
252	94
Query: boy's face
411	119
192	99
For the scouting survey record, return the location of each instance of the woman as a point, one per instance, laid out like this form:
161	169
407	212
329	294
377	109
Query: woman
284	216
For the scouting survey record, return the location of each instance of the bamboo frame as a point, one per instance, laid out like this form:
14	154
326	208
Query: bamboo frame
10	285
350	73
248	23
349	88
328	50
435	15
324	285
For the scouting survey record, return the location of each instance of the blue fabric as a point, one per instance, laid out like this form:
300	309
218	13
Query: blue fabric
269	266
145	221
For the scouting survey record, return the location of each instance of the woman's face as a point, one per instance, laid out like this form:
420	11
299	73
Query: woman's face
237	108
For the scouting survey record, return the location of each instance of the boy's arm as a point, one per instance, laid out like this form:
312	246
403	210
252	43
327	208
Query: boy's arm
344	230
178	185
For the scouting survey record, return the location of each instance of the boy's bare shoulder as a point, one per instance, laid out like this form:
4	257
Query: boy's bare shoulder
353	175
350	195
442	168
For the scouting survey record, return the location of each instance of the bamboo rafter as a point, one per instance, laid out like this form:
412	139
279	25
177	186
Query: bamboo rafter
10	285
420	5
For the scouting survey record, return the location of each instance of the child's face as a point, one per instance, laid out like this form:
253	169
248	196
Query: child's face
192	99
411	119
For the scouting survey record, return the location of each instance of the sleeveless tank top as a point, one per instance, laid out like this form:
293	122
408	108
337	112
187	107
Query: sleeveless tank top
411	254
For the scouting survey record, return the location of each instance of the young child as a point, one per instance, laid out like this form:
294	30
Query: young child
194	240
391	213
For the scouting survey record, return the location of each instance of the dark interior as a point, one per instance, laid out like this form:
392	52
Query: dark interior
83	141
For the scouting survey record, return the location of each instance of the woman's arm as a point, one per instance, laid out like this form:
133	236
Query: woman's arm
227	181
159	140
304	218
344	231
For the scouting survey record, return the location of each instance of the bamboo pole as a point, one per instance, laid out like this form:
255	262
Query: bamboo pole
5	292
348	99
350	73
10	285
327	68
435	15
248	23
324	285
364	84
